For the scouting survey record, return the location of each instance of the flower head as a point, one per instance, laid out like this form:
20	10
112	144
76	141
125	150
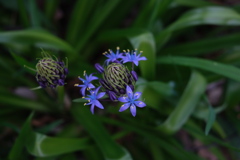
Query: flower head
86	82
50	72
93	99
113	57
130	101
133	57
115	79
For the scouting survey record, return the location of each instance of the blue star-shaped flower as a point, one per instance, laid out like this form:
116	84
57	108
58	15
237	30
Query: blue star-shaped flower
113	56
130	101
93	99
133	57
86	83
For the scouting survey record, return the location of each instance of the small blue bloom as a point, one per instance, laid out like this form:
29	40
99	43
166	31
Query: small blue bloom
133	57
86	83
93	99
112	57
130	101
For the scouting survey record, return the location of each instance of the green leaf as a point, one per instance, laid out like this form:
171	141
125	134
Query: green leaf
205	45
110	149
17	149
149	13
95	22
50	8
200	16
161	88
145	42
174	150
33	13
211	117
207	15
39	38
193	130
76	22
79	100
41	145
215	67
22	103
195	3
186	105
45	129
21	61
23	12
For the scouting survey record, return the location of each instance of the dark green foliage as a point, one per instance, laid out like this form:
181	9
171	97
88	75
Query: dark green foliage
190	82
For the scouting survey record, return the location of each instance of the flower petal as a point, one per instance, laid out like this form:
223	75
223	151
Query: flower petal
91	78
98	104
83	80
140	104
129	92
135	62
123	99
90	85
137	95
100	95
133	110
124	107
92	108
142	59
96	90
83	90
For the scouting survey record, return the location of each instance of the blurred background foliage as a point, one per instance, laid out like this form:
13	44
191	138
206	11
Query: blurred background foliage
190	83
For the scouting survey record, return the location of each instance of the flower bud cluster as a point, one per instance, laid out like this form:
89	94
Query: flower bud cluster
50	72
117	81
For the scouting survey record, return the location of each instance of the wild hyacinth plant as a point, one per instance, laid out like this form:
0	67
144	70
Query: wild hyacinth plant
50	72
117	81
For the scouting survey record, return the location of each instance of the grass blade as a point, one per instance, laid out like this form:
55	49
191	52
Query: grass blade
204	45
97	20
23	13
17	149
195	3
41	145
39	38
186	105
110	149
215	67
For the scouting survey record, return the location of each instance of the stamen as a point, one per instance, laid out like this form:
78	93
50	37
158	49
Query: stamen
76	85
84	72
85	104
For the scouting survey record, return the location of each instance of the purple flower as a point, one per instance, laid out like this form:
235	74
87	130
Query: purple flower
133	57
93	99
86	83
112	57
130	101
